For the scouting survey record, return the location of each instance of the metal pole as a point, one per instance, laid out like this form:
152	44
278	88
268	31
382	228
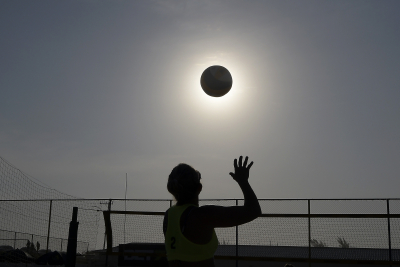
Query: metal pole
72	239
309	233
15	239
109	208
126	189
389	237
237	244
48	229
105	232
61	243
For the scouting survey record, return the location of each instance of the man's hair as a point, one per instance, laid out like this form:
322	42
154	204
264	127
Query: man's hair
183	183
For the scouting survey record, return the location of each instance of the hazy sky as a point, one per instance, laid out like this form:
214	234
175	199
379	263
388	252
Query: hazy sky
91	90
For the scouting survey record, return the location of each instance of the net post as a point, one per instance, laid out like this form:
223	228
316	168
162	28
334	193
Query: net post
72	239
105	232
389	237
48	228
107	222
309	232
237	243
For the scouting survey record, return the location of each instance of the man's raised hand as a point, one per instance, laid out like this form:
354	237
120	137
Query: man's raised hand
241	173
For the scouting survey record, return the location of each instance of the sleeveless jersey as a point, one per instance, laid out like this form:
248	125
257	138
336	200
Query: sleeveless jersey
178	247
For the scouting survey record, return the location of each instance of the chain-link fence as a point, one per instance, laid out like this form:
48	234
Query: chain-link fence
32	242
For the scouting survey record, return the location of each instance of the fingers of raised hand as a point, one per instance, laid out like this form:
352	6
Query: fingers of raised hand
244	164
251	164
245	161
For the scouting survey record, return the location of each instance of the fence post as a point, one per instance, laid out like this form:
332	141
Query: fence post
105	232
389	237
72	239
237	243
309	233
109	208
48	229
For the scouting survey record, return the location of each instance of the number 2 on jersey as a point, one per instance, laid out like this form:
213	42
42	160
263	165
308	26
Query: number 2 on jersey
173	242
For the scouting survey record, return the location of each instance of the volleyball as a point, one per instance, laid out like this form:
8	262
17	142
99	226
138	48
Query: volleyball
216	81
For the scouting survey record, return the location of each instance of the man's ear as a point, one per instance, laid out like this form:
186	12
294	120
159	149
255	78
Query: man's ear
200	188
